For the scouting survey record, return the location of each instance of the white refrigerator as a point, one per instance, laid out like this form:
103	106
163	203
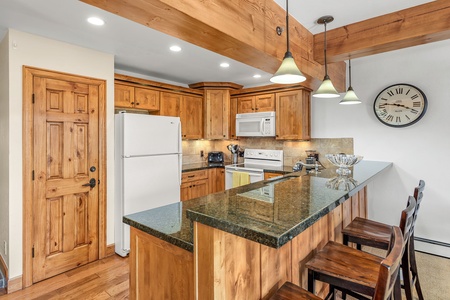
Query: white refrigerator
148	158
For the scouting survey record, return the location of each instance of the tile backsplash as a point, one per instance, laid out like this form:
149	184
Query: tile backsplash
293	150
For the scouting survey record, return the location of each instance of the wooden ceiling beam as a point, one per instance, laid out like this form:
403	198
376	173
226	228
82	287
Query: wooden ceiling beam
243	30
414	26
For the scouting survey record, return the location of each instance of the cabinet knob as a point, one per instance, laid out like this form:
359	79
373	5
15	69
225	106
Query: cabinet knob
137	103
256	108
132	102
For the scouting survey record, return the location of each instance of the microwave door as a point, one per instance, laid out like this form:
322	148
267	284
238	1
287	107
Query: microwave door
249	127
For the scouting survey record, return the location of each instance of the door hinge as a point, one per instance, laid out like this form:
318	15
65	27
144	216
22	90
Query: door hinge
32	252
32	175
32	98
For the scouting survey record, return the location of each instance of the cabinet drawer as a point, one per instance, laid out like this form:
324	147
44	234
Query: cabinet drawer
194	175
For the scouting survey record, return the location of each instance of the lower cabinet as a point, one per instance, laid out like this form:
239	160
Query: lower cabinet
201	183
268	175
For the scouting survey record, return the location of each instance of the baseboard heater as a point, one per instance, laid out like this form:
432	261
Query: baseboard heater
423	240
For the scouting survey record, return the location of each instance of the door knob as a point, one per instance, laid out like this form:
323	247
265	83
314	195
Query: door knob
91	183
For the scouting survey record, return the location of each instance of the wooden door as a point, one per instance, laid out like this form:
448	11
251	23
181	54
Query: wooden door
233	112
146	99
246	104
199	188
123	95
66	157
217	114
191	116
185	191
293	115
220	180
170	104
265	103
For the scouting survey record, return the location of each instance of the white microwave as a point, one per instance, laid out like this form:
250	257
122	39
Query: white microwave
256	124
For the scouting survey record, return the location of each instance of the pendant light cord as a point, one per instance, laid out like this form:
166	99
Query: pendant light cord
325	48
349	72
287	25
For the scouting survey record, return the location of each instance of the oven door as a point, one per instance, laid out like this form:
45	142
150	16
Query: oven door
255	175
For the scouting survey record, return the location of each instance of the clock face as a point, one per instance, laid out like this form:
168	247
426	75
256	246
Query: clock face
400	105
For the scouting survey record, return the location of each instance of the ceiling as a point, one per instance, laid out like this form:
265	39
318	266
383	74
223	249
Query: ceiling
144	51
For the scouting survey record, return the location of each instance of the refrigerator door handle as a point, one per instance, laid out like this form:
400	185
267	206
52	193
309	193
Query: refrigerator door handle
180	167
180	153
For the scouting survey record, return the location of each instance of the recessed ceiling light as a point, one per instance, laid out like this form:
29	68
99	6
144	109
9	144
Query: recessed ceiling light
256	76
175	48
96	21
224	65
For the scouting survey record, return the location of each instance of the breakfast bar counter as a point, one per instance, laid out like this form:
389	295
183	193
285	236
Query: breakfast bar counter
245	242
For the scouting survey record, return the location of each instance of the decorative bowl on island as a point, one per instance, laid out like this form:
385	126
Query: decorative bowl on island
343	162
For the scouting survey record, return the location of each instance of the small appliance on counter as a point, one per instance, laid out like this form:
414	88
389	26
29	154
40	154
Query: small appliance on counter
312	163
215	157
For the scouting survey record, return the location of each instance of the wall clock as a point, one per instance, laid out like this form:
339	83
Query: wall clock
400	105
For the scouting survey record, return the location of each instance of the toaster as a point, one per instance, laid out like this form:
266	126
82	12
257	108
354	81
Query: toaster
215	157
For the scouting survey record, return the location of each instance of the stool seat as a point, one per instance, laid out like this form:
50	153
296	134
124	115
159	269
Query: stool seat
348	267
367	232
290	291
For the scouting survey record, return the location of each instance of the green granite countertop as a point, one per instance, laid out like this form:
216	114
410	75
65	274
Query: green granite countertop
269	212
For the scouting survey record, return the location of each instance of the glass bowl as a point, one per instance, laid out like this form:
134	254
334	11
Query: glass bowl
344	161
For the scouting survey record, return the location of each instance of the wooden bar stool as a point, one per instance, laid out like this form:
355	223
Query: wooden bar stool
352	271
375	234
388	270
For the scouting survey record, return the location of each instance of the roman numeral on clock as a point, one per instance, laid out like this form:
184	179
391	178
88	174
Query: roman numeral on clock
390	118
390	93
399	90
416	104
398	119
414	96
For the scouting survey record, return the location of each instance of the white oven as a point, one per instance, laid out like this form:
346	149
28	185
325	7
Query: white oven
256	124
255	162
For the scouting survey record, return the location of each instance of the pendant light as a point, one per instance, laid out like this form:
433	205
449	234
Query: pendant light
326	89
350	97
288	72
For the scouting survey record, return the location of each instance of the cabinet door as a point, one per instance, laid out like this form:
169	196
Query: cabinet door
146	99
220	179
185	191
293	115
170	104
123	95
233	112
265	103
191	115
199	188
246	104
268	175
217	114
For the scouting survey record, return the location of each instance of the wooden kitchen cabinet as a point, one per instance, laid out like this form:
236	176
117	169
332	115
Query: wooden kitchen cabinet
233	112
217	113
170	104
191	115
194	184
216	180
293	115
268	175
127	96
257	103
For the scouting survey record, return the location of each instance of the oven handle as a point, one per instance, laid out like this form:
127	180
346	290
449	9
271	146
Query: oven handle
231	170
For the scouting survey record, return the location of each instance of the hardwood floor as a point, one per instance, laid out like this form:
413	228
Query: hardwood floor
104	279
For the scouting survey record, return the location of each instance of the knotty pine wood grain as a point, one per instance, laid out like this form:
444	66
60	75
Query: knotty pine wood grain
410	27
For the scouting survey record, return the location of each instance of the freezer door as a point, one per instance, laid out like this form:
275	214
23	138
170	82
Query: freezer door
150	135
148	182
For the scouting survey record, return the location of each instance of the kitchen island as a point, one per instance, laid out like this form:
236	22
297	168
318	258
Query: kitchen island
242	243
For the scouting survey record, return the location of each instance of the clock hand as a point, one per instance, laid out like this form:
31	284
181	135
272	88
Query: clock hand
399	105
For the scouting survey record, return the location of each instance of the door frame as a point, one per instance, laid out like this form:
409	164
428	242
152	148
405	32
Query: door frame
27	148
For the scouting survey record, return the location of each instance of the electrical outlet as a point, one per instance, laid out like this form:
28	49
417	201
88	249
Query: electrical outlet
202	153
6	247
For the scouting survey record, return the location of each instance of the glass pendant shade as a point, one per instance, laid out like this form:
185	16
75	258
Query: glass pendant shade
350	97
326	89
288	72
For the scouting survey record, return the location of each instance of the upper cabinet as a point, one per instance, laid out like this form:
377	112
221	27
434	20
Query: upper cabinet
170	104
217	114
127	96
191	115
258	103
293	115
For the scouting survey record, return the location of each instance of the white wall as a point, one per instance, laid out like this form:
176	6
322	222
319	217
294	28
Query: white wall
35	51
4	151
418	152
